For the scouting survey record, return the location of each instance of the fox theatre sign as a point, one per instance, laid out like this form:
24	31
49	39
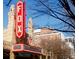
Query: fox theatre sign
19	19
20	30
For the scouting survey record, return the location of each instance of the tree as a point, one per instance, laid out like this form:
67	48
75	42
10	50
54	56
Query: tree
58	48
54	8
63	11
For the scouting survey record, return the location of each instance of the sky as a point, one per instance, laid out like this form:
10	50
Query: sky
41	21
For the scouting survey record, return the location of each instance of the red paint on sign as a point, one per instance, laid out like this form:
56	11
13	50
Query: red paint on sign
19	19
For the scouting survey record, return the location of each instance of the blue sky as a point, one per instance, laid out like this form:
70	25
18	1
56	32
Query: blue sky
41	21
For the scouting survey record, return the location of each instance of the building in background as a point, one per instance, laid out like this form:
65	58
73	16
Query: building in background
70	41
45	33
8	34
30	27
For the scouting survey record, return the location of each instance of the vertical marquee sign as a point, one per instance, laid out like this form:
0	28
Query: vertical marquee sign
19	19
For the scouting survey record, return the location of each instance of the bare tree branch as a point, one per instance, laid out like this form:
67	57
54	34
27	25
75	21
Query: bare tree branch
66	6
8	3
68	15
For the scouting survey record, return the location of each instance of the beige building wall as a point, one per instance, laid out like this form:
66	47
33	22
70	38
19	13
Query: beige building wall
45	34
8	34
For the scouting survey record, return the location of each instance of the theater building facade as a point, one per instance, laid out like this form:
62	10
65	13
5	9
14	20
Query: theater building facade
19	44
16	41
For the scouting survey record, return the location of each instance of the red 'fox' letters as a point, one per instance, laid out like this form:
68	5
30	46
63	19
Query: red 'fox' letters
19	19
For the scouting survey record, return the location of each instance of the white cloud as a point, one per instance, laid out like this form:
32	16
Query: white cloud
37	30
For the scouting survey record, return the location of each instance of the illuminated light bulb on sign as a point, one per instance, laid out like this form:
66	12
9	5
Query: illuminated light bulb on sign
19	19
